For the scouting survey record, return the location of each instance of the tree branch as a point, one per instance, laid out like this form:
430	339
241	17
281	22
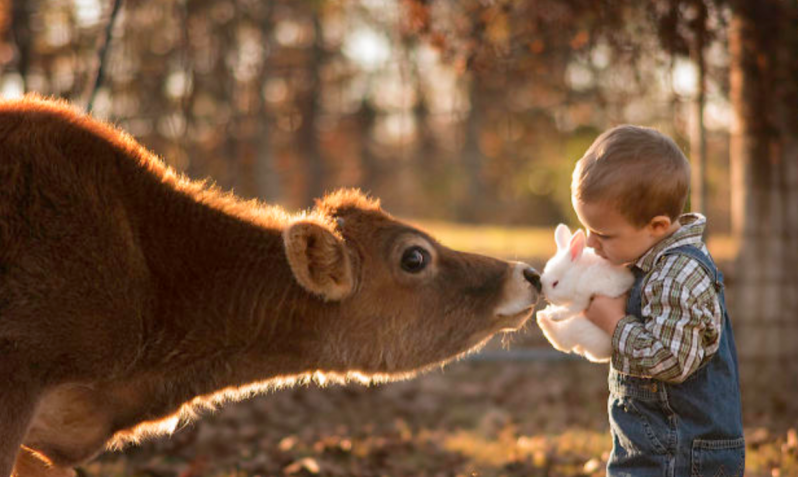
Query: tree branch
103	55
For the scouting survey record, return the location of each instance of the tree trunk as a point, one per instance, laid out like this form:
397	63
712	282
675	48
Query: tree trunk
308	135
470	203
698	142
369	164
266	174
20	30
764	159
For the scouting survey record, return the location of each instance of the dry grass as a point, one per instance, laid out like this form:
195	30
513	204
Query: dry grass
544	419
533	244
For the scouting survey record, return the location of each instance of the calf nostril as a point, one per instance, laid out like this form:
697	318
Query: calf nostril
533	277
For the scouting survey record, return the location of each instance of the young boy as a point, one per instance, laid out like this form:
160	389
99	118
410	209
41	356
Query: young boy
674	406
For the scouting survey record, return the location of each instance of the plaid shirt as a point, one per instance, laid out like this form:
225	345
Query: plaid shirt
682	318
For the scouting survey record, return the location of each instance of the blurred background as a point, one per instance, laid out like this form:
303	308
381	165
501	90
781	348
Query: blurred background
464	117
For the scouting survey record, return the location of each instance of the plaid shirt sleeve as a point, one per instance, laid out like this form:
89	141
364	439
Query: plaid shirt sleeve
680	327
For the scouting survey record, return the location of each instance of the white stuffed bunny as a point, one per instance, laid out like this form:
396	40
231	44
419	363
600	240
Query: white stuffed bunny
570	278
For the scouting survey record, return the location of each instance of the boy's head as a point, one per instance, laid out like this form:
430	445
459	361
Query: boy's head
631	178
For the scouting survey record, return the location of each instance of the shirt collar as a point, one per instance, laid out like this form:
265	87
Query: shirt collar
690	233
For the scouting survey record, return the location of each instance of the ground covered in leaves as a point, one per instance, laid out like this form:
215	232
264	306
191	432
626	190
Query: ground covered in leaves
473	418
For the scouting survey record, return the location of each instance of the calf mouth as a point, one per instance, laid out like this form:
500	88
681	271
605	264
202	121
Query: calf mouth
521	294
501	322
508	323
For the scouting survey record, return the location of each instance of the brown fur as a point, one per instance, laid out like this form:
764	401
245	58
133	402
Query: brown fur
131	297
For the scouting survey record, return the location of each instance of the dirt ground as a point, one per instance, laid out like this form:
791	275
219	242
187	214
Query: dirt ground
472	418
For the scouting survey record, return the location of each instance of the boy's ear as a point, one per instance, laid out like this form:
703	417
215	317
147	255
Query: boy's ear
660	225
577	245
319	260
562	236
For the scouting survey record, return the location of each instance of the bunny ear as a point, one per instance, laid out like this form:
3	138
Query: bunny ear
577	245
562	236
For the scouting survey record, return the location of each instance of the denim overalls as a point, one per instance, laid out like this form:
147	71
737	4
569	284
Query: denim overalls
678	430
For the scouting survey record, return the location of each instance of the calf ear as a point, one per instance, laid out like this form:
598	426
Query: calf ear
319	260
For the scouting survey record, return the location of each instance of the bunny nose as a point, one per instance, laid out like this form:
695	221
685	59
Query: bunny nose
533	277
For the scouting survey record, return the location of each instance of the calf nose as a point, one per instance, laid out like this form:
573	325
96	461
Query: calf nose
533	277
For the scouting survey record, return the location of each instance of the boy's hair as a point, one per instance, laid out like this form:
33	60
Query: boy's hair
638	170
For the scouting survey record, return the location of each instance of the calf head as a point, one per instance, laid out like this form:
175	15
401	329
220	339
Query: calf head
395	300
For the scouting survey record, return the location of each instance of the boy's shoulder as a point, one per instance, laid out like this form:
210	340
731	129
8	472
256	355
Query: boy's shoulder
682	260
677	259
687	240
686	267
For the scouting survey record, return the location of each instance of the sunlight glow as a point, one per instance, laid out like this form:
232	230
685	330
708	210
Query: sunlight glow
294	33
250	54
444	93
396	129
57	32
381	10
177	84
685	78
367	48
394	92
579	77
601	56
275	90
11	86
87	12
718	114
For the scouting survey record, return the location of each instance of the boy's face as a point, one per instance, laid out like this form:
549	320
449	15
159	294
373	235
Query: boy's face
614	237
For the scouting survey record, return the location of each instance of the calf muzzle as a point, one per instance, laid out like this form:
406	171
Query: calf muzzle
533	277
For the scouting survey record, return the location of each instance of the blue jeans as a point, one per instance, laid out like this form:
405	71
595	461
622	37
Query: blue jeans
689	429
650	438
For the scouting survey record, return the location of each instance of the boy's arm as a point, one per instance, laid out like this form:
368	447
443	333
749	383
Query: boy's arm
682	324
606	312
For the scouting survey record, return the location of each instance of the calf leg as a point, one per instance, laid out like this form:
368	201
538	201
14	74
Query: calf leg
29	464
19	395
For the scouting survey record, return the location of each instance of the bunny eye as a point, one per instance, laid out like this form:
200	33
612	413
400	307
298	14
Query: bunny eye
554	285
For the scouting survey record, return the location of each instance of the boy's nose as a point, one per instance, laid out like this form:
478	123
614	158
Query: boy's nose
592	241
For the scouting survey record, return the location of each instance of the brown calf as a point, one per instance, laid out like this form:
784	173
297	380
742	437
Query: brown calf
130	295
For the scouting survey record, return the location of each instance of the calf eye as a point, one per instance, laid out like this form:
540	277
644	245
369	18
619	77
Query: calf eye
415	259
554	285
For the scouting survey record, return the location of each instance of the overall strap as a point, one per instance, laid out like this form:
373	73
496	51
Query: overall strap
634	305
703	259
709	266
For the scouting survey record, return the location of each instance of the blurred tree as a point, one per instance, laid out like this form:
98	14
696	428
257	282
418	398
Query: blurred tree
764	155
448	109
539	70
461	109
473	198
698	143
102	56
308	134
763	41
21	34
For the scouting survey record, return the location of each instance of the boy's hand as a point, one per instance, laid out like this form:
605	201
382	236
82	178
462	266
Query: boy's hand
606	312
